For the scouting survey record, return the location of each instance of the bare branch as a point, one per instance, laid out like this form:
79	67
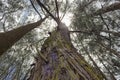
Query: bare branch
107	28
112	7
35	8
95	31
6	14
80	31
4	29
57	8
42	5
65	10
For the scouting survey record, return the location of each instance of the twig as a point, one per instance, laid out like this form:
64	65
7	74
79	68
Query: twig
35	9
4	29
57	9
6	13
64	10
42	5
107	28
86	32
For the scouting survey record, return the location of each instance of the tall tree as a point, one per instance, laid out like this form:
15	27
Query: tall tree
58	59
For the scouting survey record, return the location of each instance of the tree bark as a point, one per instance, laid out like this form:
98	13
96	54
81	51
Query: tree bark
7	39
59	60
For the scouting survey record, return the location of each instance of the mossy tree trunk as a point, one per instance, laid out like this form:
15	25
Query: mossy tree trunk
59	60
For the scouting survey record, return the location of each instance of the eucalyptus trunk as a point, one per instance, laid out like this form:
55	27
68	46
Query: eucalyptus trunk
59	60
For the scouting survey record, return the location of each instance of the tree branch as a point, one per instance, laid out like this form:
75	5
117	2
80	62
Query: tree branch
35	8
42	5
57	9
65	10
7	13
112	7
94	31
80	31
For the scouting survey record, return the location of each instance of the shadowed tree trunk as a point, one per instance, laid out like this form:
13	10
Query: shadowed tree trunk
59	60
7	39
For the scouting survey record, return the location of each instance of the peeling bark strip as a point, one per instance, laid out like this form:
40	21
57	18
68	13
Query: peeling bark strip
7	39
63	62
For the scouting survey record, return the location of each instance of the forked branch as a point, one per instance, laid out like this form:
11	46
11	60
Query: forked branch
42	5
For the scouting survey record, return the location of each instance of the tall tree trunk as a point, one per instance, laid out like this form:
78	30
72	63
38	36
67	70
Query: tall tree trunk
59	60
7	39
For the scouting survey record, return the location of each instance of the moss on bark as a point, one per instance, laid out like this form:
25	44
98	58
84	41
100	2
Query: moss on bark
59	60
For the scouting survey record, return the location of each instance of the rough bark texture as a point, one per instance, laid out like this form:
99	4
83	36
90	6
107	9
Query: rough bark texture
59	60
7	39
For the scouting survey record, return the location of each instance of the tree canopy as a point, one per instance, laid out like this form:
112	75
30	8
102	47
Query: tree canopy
26	24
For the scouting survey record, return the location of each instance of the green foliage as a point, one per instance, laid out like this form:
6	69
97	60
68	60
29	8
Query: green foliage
101	46
97	42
